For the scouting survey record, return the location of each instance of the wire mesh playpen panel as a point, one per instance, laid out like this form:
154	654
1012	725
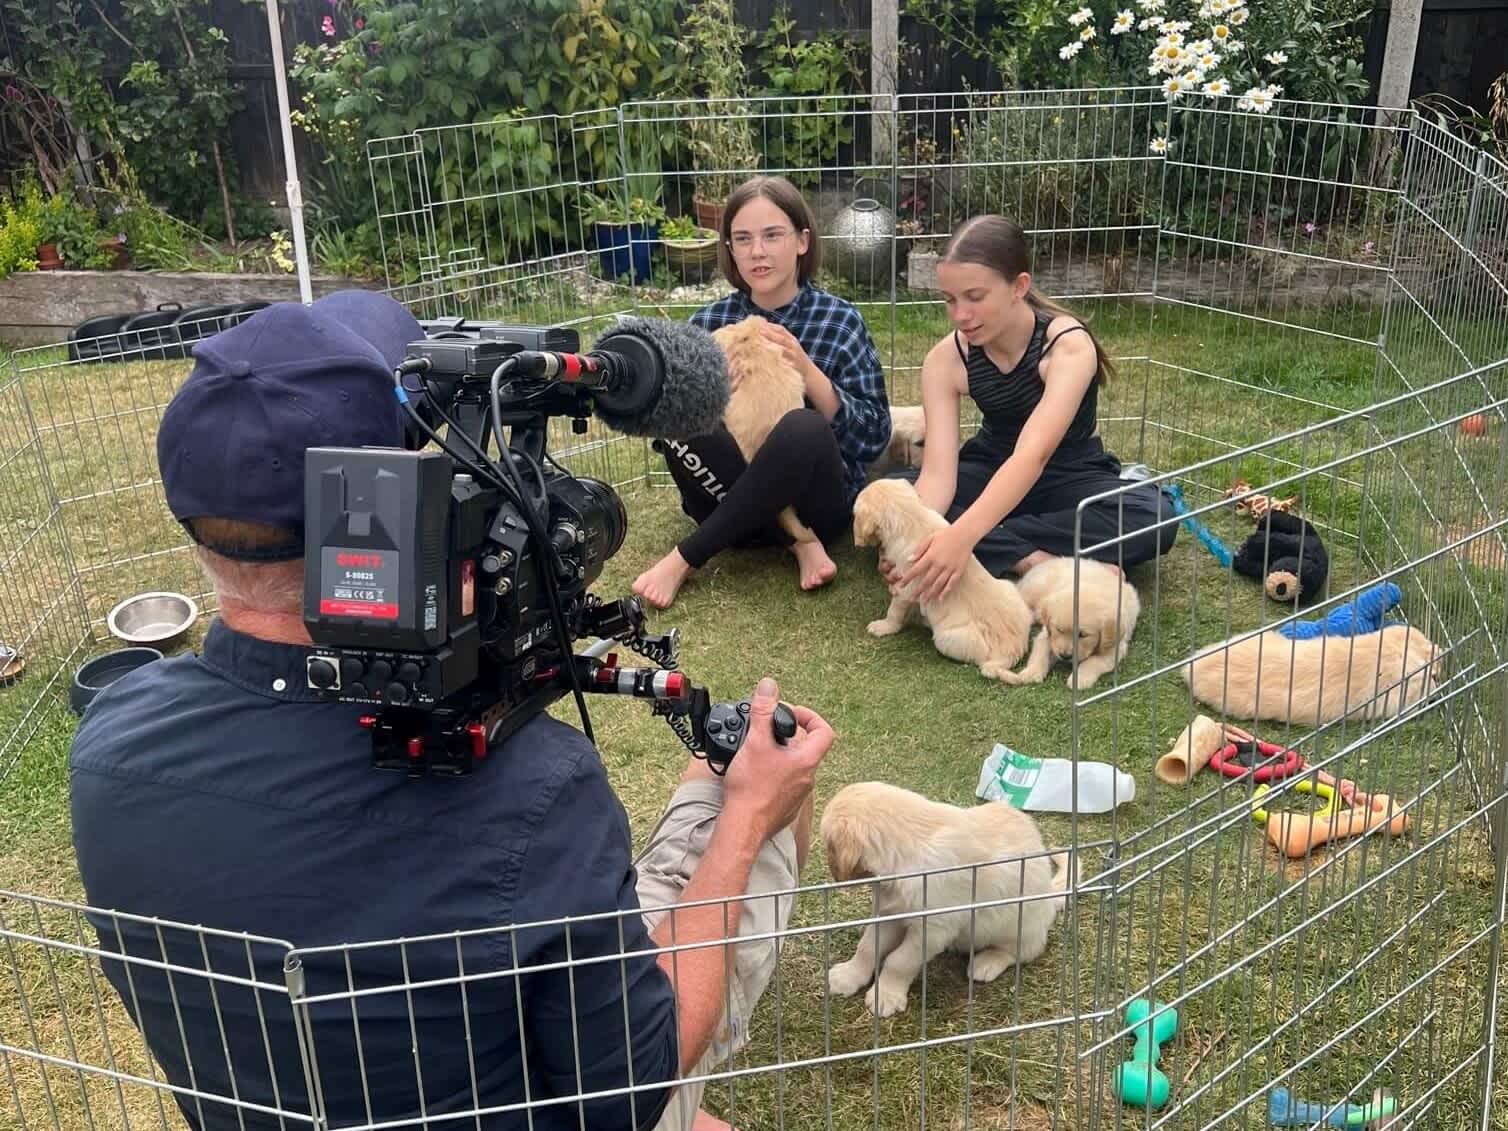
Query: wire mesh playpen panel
1251	928
72	1055
41	596
97	426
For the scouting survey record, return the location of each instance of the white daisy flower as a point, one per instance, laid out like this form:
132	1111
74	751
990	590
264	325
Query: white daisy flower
1069	50
1170	55
1160	145
1150	5
1088	33
1192	79
1238	17
1201	47
1221	34
1216	87
1209	60
1123	22
1257	98
1177	25
1276	58
1080	16
1172	87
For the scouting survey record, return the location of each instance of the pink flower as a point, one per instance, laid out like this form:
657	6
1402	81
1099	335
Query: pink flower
360	23
13	92
327	25
374	47
1309	228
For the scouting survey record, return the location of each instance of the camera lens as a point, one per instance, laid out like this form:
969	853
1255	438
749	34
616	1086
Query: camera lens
610	517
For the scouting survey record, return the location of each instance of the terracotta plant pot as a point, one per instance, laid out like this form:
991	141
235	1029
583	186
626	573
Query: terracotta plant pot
709	213
115	247
48	258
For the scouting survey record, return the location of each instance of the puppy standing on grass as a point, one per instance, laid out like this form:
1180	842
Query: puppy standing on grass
1108	608
991	853
983	621
763	387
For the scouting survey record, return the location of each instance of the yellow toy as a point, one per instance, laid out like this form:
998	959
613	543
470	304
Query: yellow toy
1297	834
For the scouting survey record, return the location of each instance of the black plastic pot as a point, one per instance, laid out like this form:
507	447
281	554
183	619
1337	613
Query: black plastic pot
98	338
153	336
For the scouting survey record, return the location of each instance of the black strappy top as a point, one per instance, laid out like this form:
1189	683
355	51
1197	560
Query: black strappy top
1007	400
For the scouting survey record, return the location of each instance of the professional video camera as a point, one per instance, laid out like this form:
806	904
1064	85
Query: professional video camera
447	588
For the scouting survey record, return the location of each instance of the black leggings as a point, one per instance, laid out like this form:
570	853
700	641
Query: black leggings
735	503
1044	518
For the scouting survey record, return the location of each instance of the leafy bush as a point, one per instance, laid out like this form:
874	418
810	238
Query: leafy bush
388	69
816	70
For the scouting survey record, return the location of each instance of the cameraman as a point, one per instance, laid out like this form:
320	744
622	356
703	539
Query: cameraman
215	790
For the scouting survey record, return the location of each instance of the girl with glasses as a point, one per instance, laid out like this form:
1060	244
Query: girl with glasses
1011	493
816	457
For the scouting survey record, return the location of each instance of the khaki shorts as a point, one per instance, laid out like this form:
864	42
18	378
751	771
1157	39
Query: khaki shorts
674	850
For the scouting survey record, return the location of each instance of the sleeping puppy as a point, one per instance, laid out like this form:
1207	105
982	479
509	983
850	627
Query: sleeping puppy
1108	608
1373	675
763	388
983	621
874	830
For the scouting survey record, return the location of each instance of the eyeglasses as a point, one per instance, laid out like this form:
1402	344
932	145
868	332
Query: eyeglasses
770	237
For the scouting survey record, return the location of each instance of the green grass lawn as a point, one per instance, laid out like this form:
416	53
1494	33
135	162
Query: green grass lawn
1325	967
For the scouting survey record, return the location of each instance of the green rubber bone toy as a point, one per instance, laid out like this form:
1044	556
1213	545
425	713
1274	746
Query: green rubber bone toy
1139	1082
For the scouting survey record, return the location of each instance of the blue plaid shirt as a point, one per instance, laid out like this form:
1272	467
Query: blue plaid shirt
833	333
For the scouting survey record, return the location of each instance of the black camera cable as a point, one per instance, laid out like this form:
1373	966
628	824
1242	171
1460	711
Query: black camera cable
545	548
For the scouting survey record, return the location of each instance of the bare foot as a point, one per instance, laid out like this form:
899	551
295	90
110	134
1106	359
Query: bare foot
817	569
660	582
706	1121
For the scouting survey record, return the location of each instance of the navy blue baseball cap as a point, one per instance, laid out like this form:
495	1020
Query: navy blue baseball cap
231	442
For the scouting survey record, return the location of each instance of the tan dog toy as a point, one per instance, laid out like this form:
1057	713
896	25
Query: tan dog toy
1296	835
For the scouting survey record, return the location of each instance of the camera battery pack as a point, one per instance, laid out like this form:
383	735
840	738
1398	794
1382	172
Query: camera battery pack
375	522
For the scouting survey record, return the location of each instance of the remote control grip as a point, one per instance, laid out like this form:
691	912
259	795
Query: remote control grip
784	724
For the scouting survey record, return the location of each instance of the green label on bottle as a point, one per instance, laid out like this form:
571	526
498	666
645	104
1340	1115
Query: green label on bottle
1016	774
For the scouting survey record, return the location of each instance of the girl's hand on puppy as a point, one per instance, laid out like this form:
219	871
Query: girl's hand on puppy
795	355
939	563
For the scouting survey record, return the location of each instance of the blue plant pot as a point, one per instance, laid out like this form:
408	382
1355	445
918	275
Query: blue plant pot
624	248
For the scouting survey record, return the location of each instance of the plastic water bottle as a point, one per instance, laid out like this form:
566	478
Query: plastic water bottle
1046	784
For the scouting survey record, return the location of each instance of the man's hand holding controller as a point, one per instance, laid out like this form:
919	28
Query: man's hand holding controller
772	777
767	788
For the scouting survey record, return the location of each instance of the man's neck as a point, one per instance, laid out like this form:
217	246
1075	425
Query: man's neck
274	627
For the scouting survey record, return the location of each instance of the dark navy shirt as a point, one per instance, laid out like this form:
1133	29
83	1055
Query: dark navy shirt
833	333
215	790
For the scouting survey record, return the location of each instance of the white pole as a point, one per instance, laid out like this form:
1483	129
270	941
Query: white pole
295	194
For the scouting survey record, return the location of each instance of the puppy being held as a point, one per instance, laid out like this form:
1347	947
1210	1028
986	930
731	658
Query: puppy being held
1108	608
992	852
763	387
982	621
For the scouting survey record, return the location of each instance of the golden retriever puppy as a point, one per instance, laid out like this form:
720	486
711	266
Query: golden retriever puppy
983	621
990	853
763	388
908	433
1108	608
1371	676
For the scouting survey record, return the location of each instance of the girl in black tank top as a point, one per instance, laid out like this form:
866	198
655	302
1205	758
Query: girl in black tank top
1007	400
1010	508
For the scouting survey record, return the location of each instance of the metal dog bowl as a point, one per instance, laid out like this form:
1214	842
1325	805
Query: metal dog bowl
159	619
102	671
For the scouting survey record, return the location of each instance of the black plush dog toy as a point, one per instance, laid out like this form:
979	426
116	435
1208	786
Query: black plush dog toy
1296	561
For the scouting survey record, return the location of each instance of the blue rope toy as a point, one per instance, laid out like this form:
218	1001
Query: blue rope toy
1211	543
1355	618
